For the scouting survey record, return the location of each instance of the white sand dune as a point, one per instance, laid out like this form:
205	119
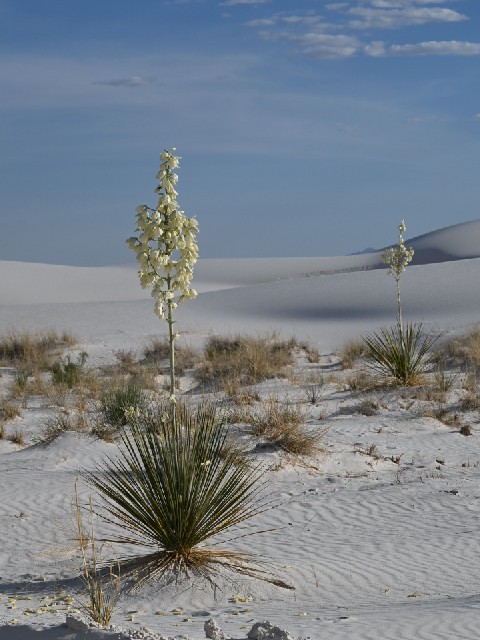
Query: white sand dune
374	549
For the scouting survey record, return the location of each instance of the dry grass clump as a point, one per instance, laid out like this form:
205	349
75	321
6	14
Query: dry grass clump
352	351
244	359
368	407
362	381
442	414
466	349
61	423
17	438
158	351
102	587
284	425
8	410
33	349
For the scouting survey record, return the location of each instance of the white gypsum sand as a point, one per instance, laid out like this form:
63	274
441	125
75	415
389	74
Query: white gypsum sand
378	533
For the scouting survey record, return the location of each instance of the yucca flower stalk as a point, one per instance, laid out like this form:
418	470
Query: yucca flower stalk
397	258
166	251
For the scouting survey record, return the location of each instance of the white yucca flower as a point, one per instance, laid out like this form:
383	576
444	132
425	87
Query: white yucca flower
165	246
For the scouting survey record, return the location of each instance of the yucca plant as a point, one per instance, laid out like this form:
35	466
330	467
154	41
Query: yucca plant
402	355
174	488
400	352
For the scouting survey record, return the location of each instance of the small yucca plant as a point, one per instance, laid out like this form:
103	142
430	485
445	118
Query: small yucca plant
402	355
174	488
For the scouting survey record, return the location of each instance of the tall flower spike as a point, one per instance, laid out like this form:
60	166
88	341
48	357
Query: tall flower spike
398	257
166	249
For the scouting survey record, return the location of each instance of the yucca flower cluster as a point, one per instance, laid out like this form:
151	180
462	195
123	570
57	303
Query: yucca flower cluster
165	248
399	256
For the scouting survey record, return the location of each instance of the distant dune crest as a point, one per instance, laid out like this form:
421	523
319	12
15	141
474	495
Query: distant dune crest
28	283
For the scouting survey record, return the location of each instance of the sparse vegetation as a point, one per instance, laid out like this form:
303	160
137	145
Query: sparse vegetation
61	423
351	352
17	437
68	373
102	587
34	349
245	360
8	410
284	425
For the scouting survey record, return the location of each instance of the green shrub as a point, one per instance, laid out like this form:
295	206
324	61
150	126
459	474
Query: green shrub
68	373
117	403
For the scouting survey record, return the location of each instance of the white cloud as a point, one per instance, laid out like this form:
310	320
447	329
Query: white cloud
372	18
324	45
231	3
262	22
339	37
132	81
437	48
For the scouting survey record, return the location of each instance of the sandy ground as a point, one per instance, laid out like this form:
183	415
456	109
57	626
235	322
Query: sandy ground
375	547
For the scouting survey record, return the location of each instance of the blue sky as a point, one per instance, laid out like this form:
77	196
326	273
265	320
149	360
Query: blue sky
306	127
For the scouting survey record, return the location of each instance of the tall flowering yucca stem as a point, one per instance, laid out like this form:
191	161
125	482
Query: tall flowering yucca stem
166	251
398	258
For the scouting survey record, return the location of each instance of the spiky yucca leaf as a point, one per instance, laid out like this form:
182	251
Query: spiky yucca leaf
173	489
401	353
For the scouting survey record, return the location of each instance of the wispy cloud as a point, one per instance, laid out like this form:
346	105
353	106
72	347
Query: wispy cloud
394	18
131	81
337	31
231	3
327	46
434	48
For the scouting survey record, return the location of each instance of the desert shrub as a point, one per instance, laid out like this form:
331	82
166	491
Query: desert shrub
158	350
173	488
362	381
352	351
8	410
466	430
368	407
118	402
284	425
313	392
441	413
69	373
61	423
313	354
465	349
17	438
400	353
443	381
33	351
245	359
